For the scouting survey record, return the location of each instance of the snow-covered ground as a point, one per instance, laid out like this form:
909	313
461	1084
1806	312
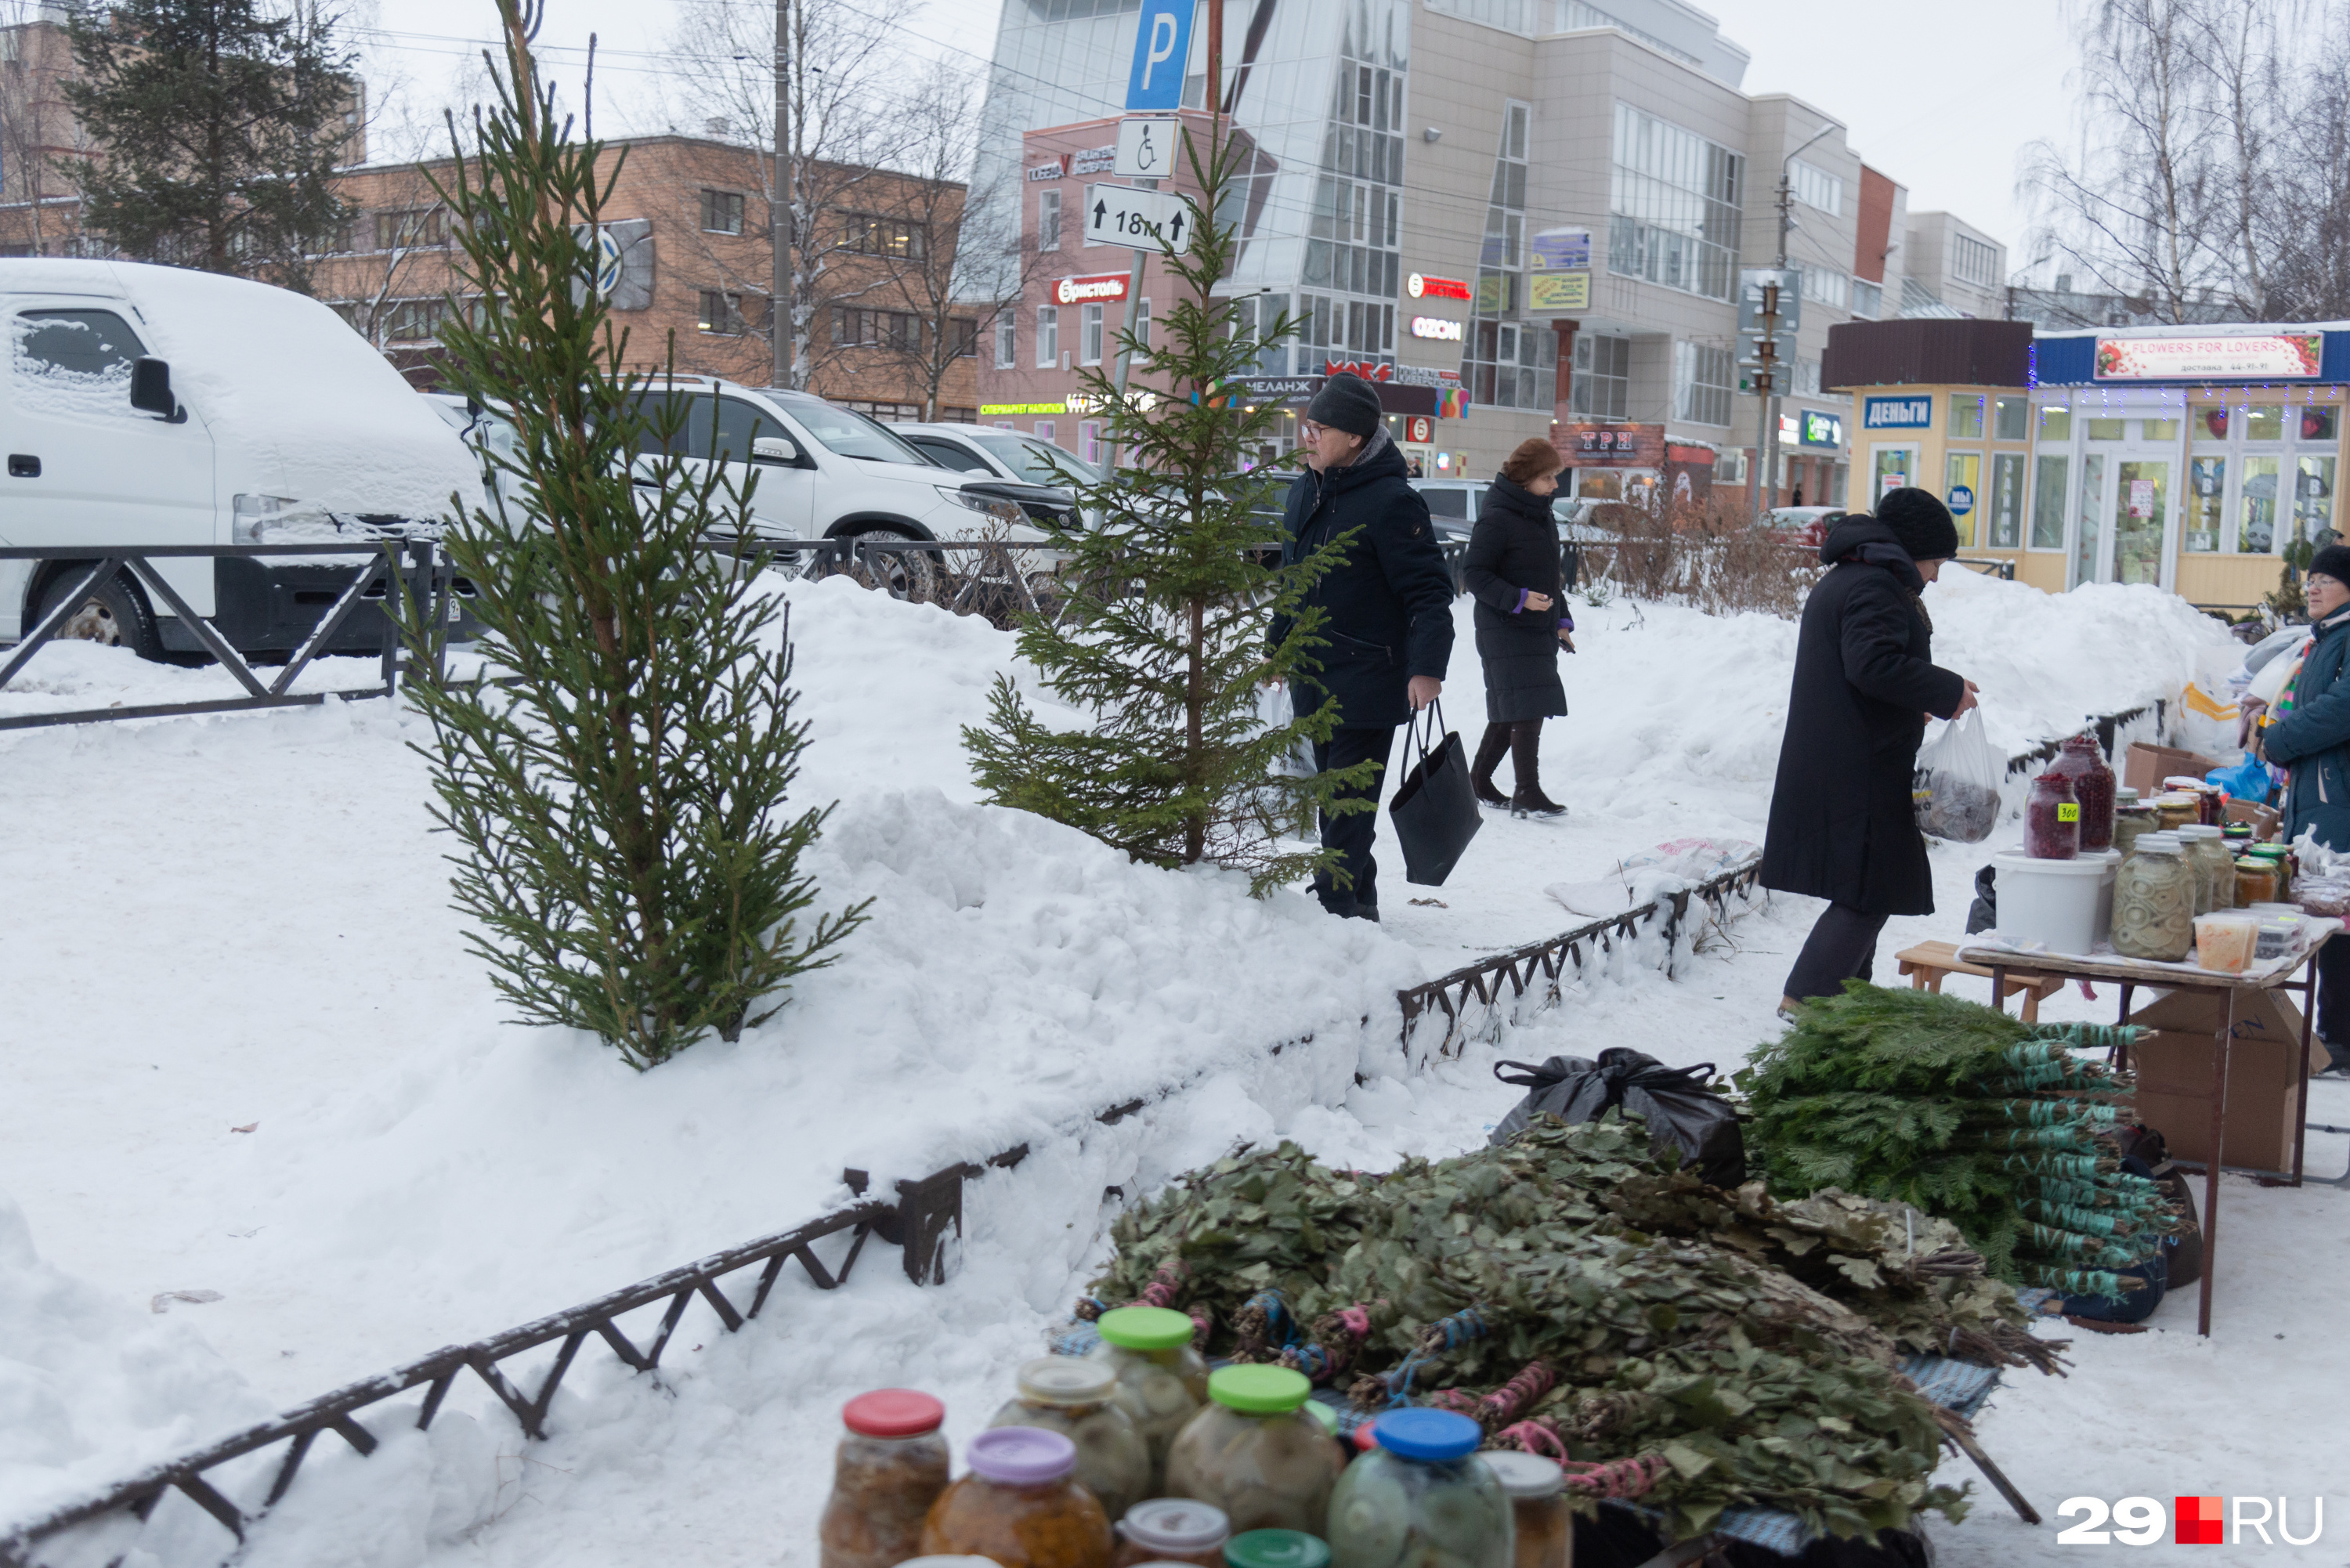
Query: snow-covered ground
241	924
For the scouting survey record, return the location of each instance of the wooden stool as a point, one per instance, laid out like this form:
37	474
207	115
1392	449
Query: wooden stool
1926	963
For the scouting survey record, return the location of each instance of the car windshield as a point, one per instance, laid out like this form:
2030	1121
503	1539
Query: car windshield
852	434
1033	460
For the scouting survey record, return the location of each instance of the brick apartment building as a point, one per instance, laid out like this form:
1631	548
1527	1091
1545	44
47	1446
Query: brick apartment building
686	232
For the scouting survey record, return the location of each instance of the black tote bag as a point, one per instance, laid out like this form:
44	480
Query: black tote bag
1435	812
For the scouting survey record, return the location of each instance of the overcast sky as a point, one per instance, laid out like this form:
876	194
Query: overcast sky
1940	97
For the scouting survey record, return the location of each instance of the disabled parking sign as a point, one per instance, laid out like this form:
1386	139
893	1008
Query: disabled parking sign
1162	51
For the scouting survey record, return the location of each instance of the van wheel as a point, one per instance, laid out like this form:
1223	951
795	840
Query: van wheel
114	614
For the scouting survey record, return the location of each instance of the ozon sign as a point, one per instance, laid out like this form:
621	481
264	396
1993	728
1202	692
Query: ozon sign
1439	328
1426	285
1085	290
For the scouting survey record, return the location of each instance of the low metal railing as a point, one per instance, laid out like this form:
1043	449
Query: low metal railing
413	568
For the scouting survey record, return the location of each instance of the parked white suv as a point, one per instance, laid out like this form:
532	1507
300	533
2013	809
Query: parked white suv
159	406
825	471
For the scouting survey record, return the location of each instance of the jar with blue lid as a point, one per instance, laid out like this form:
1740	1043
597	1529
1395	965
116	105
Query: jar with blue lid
1421	1498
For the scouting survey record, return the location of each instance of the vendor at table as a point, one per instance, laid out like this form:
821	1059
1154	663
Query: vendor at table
2308	734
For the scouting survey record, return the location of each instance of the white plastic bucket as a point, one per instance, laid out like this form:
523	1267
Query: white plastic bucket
2065	906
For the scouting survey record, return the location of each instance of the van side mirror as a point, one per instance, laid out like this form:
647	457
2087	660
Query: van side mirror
774	449
150	387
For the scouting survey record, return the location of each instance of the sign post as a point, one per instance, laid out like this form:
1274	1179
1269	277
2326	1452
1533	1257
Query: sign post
1154	87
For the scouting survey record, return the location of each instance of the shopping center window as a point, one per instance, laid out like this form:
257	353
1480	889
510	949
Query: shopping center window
2011	418
1512	365
1868	299
1966	416
1673	202
1602	384
1816	187
1827	285
1007	341
1048	220
1701	384
2048	500
1089	339
2006	501
1973	261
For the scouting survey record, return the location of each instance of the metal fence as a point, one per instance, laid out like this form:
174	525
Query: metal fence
420	572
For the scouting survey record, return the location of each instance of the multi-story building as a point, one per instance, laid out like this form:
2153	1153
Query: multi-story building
1525	217
689	273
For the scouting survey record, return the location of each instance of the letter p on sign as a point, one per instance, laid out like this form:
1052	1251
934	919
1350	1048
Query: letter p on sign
1162	51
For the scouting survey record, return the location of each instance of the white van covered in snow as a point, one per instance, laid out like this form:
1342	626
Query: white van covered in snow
150	405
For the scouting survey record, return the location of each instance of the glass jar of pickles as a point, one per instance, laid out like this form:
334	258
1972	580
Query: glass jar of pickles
2215	871
1021	1506
890	1467
2154	901
1173	1530
1254	1452
2174	809
1161	1380
1422	1497
1542	1526
2281	858
1075	1397
2130	819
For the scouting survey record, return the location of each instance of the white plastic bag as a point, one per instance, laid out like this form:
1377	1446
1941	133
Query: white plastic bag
1955	788
1275	711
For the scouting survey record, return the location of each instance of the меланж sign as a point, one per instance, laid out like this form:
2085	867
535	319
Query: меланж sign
1897	413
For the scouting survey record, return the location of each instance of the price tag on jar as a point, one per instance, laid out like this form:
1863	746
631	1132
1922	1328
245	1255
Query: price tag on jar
2069	813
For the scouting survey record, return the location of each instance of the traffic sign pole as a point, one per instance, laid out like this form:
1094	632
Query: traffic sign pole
1126	335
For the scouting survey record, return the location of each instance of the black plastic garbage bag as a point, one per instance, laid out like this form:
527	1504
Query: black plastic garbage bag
1680	1111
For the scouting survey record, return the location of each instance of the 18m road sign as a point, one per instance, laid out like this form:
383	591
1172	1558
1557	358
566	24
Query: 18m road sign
1139	220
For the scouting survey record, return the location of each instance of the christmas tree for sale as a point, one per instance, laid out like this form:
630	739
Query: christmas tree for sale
1169	587
618	785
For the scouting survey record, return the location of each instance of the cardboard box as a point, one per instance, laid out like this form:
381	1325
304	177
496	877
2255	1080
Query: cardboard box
2146	767
2265	820
2264	1076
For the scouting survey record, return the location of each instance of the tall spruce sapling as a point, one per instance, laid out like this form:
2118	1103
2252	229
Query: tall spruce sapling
628	863
1163	638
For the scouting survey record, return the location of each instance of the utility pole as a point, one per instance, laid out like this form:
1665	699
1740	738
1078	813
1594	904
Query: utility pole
779	212
1767	394
1778	388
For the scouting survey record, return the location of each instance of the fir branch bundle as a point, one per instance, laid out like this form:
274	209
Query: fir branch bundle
618	785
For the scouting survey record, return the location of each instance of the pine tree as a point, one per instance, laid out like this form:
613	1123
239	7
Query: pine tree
619	790
219	126
1163	636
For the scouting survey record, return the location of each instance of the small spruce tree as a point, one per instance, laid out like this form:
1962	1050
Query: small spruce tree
220	123
619	789
1163	636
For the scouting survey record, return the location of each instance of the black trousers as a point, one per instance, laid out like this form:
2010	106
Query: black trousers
1842	947
1351	834
2334	1000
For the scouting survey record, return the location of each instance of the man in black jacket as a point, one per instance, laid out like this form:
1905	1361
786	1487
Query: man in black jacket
1387	603
1843	826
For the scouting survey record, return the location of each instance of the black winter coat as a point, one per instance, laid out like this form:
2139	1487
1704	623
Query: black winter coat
2312	739
1842	825
1513	549
1389	601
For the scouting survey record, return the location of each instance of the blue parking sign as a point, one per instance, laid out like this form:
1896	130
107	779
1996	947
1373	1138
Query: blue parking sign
1163	50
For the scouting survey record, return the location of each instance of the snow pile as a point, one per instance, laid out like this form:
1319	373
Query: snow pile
91	1388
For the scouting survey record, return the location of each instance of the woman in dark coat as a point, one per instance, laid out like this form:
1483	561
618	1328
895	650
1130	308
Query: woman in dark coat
2310	736
1842	825
1513	572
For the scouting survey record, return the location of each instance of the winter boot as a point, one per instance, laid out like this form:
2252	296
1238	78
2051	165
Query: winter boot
1489	757
1526	749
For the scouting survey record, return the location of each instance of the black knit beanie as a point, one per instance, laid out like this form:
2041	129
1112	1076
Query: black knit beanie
2334	561
1920	523
1346	402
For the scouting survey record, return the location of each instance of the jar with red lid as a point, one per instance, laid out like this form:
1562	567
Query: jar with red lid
2093	787
1022	1505
2052	819
890	1467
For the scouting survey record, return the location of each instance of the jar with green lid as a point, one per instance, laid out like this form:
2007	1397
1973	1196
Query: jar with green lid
2256	882
2130	819
1421	1498
1161	1380
2215	870
1253	1451
1542	1523
2239	835
1276	1549
2154	901
1076	1397
2277	855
